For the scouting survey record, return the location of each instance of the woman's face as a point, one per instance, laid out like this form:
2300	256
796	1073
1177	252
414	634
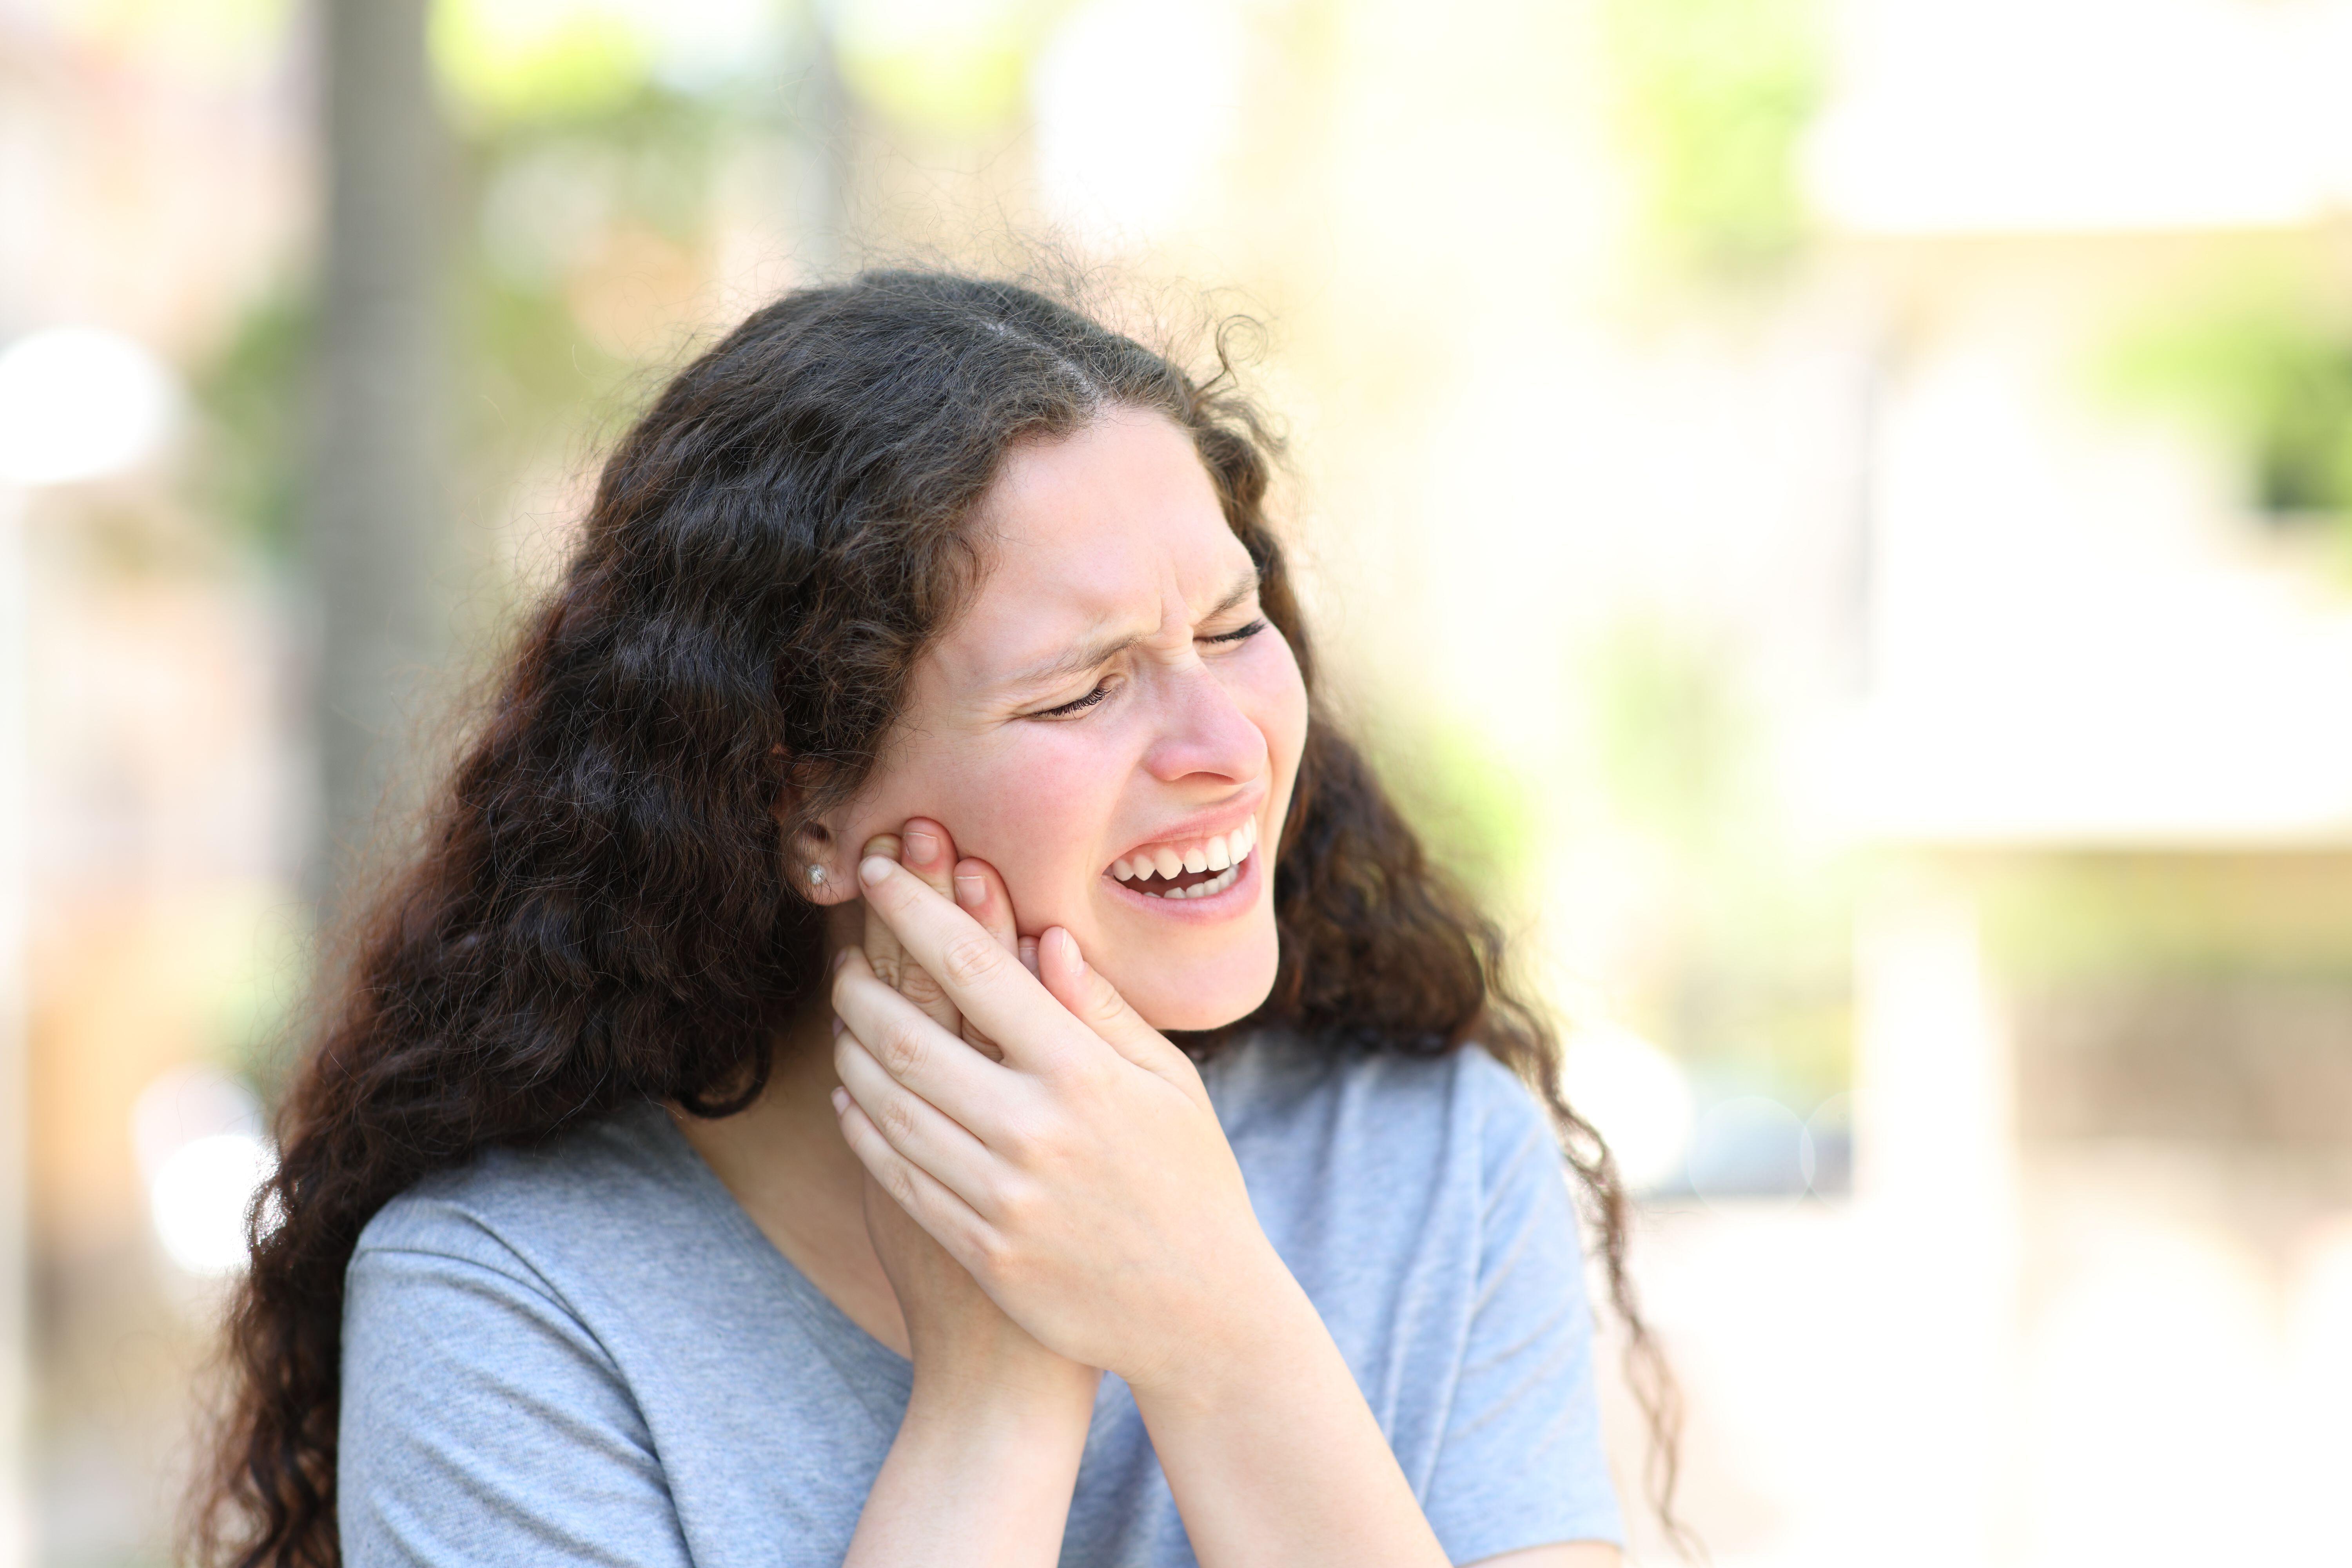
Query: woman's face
1111	709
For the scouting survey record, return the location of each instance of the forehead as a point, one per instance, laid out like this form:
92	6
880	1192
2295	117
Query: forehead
1088	534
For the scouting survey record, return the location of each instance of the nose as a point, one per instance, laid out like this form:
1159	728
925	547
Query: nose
1203	731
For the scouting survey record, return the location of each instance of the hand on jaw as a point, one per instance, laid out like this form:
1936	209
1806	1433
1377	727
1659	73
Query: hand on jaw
961	1342
1063	1198
1038	1133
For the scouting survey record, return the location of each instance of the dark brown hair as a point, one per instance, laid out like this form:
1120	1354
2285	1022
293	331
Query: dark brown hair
599	912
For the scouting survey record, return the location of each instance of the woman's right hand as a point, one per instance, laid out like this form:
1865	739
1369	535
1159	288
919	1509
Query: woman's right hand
962	1342
987	1454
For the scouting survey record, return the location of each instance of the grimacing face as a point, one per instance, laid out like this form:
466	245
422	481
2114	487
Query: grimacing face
1111	702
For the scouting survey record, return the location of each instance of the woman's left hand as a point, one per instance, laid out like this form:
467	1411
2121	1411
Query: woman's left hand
1083	1180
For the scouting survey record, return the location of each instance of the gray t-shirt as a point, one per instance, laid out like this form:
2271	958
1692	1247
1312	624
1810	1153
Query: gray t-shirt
588	1353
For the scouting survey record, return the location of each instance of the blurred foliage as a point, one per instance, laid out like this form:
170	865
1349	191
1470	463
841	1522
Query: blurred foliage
948	67
248	395
1751	979
258	976
1672	738
583	252
2115	915
537	63
1474	812
502	61
2266	366
1714	99
575	251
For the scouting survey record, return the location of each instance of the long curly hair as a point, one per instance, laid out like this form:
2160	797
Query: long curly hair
599	912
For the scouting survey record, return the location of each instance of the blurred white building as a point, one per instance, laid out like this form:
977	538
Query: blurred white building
2085	1306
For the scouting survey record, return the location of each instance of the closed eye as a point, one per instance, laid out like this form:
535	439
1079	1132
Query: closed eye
1082	703
1102	689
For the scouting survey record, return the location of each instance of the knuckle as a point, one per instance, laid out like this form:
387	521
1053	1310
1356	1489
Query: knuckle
895	1118
899	1049
1020	1140
970	958
917	985
1036	1144
992	1254
1016	1204
1103	1004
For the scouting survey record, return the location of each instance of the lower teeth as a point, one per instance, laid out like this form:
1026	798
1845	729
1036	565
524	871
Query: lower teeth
1216	884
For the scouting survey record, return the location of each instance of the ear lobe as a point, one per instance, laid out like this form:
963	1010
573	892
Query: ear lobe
811	864
812	867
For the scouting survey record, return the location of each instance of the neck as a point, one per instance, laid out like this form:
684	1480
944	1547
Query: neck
785	1147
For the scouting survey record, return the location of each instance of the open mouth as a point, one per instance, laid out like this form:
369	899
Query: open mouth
1196	868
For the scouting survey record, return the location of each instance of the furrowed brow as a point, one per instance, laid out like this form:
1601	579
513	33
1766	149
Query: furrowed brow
1102	650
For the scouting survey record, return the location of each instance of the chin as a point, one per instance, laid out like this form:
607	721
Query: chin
1184	997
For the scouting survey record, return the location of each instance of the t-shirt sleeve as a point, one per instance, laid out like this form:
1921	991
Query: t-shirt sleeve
1522	1462
482	1423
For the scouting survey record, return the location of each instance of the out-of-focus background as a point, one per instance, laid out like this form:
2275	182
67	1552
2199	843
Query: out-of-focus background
1839	516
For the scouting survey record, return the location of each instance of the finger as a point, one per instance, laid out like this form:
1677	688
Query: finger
1029	953
988	984
924	1057
925	848
982	894
1094	1002
881	942
916	1128
947	1218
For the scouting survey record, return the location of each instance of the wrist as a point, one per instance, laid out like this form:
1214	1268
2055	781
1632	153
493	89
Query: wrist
991	1411
1017	1392
1269	1333
981	1471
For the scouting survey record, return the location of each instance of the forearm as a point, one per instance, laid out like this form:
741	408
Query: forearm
975	1478
1276	1460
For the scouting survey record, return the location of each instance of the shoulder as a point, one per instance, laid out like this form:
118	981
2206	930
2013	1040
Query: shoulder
546	1212
488	1411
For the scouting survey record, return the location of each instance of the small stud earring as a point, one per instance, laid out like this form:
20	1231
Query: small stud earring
816	875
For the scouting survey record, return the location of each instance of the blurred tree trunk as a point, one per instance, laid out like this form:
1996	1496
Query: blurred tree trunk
373	484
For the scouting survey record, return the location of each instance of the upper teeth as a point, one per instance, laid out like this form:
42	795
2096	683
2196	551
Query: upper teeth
1218	852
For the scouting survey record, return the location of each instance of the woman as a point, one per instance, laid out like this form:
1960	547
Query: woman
750	1130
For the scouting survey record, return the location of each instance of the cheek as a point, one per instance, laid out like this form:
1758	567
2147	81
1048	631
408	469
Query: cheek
1035	808
1275	697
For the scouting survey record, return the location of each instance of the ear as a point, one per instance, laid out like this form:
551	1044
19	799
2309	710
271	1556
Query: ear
816	866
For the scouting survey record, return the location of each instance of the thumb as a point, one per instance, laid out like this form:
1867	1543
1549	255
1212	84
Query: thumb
1090	996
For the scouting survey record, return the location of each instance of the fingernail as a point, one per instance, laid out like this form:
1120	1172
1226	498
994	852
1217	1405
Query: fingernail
971	891
921	846
840	957
1070	946
872	870
840	1101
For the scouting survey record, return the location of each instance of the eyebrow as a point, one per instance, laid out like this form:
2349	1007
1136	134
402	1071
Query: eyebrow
1102	650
